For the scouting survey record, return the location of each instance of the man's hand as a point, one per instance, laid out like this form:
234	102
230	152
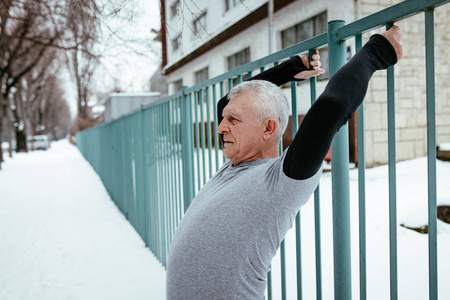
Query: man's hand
315	63
394	36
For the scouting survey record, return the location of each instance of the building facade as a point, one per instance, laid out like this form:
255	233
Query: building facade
120	104
204	39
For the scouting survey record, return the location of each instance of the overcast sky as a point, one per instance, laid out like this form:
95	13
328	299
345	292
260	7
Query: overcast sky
127	70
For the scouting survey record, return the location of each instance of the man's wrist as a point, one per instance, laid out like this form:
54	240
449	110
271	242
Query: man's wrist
383	50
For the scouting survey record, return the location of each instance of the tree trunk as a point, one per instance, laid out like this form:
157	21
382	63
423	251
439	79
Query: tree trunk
10	128
21	141
20	128
2	117
1	130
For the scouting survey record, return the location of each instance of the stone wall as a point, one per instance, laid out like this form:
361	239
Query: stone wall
410	90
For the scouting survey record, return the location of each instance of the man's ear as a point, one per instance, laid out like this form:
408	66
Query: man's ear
270	126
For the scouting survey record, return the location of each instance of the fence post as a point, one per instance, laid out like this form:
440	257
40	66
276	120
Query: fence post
340	181
431	154
187	149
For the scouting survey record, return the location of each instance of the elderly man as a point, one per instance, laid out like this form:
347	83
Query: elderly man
224	245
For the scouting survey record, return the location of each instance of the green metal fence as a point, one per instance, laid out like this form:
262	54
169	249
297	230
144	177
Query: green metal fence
154	160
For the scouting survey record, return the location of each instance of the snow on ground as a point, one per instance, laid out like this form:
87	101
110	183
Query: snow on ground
412	246
61	236
444	146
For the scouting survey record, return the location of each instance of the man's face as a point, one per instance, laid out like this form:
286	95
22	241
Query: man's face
242	130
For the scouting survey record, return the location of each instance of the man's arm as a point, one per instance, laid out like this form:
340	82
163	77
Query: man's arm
294	69
343	94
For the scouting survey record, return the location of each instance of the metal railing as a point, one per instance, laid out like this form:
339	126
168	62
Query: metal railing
153	161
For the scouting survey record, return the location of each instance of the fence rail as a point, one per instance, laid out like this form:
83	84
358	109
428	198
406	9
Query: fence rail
153	161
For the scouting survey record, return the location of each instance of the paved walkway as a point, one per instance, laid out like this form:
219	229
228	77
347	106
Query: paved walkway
61	236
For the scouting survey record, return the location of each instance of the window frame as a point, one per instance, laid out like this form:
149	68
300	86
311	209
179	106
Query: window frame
174	9
177	85
199	76
229	4
176	42
199	30
246	52
295	32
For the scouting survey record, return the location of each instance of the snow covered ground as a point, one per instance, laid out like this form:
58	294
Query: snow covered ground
61	236
412	248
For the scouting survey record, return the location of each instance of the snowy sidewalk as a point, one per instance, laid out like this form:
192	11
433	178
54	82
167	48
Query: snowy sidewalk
61	236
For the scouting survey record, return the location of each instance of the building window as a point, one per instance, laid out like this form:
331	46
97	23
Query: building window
177	85
238	59
200	24
176	42
174	8
201	75
230	3
305	30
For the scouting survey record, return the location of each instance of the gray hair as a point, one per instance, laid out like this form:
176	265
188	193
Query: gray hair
270	101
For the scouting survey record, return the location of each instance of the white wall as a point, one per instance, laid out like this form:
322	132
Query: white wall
117	105
217	19
256	37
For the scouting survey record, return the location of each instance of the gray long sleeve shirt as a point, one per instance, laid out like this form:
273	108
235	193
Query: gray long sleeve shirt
223	247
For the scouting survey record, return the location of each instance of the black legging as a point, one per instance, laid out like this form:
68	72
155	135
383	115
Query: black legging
343	94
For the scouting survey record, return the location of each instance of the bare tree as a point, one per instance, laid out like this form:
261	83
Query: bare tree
82	30
36	87
43	98
51	113
33	34
57	117
27	30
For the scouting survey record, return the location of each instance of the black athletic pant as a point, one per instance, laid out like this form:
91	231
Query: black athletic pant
343	94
